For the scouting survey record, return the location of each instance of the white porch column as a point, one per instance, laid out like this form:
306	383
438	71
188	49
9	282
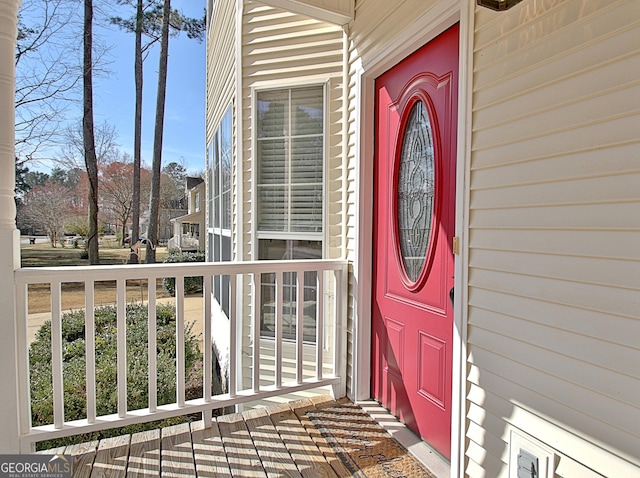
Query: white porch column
9	235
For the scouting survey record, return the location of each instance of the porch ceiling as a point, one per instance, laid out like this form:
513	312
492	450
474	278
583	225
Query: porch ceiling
339	12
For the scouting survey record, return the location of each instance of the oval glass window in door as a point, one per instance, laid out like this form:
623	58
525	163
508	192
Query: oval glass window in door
416	182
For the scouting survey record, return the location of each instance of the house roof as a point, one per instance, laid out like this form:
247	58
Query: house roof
193	217
192	182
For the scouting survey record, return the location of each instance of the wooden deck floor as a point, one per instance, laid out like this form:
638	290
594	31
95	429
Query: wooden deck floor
265	442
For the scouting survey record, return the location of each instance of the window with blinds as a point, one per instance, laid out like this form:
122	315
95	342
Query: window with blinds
289	193
219	198
290	154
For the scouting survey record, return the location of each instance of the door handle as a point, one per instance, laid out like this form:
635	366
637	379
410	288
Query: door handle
451	295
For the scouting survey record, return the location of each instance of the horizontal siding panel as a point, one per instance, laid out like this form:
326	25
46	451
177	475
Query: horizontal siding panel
490	26
338	12
621	73
494	462
220	64
563	317
550	391
265	25
476	435
310	56
594	136
293	73
477	471
621	245
615	301
587	270
376	22
584	164
290	47
580	61
567	443
576	216
526	389
537	347
614	188
596	109
288	34
265	15
531	45
281	48
491	466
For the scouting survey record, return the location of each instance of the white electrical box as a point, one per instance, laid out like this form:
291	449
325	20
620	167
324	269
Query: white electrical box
529	458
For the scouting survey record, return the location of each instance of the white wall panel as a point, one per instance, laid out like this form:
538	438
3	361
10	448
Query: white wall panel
554	262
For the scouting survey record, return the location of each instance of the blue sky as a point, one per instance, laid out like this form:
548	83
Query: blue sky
184	128
114	93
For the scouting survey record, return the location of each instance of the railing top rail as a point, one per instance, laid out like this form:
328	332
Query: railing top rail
35	275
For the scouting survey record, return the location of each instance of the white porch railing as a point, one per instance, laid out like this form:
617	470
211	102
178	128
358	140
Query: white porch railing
184	241
330	330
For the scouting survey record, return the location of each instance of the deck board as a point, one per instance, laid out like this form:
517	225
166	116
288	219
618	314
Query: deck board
208	451
83	455
275	457
300	408
176	452
308	458
144	455
111	458
277	441
242	456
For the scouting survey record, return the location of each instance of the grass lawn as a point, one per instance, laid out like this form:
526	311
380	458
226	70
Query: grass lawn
43	255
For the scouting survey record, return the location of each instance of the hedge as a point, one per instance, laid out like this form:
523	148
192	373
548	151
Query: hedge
191	284
74	369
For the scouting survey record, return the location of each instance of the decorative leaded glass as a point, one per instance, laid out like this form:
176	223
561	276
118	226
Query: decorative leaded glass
415	191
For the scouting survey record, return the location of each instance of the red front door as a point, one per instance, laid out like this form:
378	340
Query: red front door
414	200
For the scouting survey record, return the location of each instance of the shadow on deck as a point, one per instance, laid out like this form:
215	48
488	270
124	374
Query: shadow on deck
279	440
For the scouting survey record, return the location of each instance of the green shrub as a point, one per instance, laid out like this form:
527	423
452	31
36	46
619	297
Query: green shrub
191	284
74	371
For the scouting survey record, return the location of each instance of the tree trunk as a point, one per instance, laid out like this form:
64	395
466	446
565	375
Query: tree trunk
124	231
137	136
90	158
154	202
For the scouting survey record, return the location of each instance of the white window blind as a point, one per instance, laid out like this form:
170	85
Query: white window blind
290	153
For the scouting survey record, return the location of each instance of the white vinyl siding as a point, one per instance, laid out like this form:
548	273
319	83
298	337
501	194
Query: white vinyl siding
220	62
554	228
339	12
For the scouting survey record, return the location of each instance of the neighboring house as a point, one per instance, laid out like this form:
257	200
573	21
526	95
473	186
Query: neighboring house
479	170
186	228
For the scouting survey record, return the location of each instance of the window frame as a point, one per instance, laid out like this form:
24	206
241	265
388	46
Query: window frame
257	234
218	235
